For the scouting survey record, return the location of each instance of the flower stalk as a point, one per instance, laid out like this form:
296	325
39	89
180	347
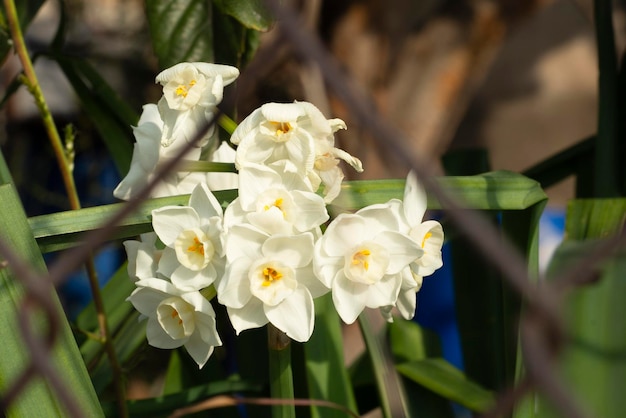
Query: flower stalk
281	378
29	79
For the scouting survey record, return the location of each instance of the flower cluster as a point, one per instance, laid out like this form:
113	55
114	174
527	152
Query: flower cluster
265	254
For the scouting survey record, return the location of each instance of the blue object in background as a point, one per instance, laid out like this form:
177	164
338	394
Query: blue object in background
436	311
75	292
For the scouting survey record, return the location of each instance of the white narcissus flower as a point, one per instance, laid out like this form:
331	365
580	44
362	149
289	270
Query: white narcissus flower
176	318
326	168
270	279
428	235
148	155
276	202
191	90
194	256
190	84
361	257
143	257
280	131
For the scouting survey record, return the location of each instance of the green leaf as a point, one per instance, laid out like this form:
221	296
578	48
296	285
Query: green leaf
181	30
594	363
594	218
26	11
250	13
391	391
64	229
491	191
326	375
410	342
443	378
111	116
164	405
38	399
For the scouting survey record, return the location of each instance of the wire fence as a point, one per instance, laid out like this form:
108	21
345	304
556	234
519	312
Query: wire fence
542	333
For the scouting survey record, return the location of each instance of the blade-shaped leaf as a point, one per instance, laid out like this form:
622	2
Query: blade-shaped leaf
326	374
443	378
594	364
39	399
165	405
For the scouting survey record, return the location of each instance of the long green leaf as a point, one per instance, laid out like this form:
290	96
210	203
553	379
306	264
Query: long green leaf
39	399
443	378
326	374
110	115
492	191
409	343
164	405
180	30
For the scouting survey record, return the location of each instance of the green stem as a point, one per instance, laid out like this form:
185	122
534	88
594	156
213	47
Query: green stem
281	378
32	83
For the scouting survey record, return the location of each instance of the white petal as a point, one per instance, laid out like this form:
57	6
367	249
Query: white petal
383	216
244	241
311	210
169	221
226	72
349	297
343	233
157	337
146	300
205	203
282	112
248	125
188	280
294	250
407	303
250	316
384	292
135	180
414	200
353	161
198	349
308	279
324	266
294	316
168	262
254	180
234	288
271	221
402	250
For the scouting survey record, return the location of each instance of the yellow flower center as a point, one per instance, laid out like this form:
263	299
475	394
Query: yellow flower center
183	90
270	275
196	247
281	127
362	257
278	203
175	314
428	235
